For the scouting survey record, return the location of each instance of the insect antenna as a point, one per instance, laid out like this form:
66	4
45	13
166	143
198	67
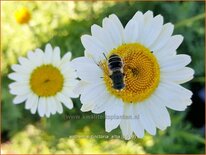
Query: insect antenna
100	64
95	61
105	56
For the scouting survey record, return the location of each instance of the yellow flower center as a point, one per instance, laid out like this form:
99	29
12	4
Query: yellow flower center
46	80
22	16
141	69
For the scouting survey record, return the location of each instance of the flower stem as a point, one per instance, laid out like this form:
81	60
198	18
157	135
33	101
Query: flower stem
190	20
199	79
43	122
35	34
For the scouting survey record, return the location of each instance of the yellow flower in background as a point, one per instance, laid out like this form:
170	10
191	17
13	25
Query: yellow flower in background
22	15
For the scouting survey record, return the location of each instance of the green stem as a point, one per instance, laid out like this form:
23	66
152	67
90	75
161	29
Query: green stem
35	34
190	20
43	122
199	79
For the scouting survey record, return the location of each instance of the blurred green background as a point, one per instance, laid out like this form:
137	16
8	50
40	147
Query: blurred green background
62	24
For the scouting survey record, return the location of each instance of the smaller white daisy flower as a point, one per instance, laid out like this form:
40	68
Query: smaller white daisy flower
44	81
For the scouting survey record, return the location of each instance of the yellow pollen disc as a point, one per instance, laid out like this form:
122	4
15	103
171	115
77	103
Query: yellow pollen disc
141	69
46	80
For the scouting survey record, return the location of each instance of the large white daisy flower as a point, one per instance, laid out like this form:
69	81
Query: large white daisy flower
44	81
152	71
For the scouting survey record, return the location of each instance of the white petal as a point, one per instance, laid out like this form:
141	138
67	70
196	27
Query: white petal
87	70
163	37
42	106
137	15
159	113
24	61
56	59
48	54
126	128
175	63
148	17
70	78
19	77
58	106
80	87
67	69
137	128
33	60
170	47
90	96
69	92
126	121
20	98
30	55
174	100
95	96
114	110
65	100
70	82
52	105
87	107
136	124
173	104
113	29
145	118
89	55
103	104
175	90
32	99
103	37
34	106
66	58
93	46
91	92
23	90
18	84
131	31
47	108
118	25
139	18
39	57
21	69
153	30
39	51
48	48
180	76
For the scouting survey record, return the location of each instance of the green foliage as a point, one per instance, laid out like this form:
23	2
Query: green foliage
62	24
177	138
37	139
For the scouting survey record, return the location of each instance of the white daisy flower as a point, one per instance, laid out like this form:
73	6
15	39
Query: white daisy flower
44	81
152	73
